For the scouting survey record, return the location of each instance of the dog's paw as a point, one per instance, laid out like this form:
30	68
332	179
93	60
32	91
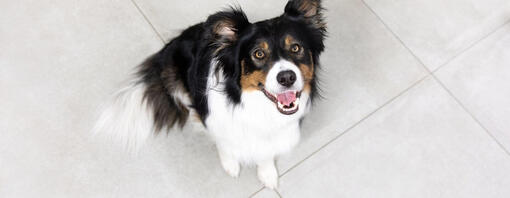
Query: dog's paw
232	167
268	176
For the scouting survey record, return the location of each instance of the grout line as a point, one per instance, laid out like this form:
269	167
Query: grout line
396	36
446	63
256	192
472	115
148	21
355	124
471	45
417	58
278	193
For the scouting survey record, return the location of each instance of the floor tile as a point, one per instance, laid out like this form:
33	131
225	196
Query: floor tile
266	193
437	30
61	60
423	144
479	79
57	60
363	67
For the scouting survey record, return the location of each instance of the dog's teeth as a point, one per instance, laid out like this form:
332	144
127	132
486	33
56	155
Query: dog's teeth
294	107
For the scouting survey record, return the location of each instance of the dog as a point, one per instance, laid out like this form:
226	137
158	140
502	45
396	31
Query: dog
249	84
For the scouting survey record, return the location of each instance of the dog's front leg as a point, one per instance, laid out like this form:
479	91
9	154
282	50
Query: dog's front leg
267	173
230	164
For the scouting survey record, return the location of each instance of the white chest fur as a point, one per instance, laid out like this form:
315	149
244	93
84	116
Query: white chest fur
253	130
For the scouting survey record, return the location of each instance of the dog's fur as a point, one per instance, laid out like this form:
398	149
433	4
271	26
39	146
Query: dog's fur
250	84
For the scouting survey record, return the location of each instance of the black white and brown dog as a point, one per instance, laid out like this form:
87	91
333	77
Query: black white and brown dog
250	84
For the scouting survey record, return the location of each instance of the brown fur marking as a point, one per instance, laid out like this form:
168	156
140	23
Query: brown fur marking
307	71
309	7
312	10
289	40
179	112
251	81
264	45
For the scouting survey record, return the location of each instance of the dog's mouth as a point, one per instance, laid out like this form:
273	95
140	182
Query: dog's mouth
286	102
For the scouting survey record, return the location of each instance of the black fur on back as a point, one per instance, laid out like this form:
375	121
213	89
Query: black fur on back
172	69
184	63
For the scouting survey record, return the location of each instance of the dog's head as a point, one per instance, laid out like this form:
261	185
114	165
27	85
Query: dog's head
278	57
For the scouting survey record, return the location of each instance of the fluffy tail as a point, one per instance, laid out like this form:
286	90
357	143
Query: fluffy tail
155	102
128	118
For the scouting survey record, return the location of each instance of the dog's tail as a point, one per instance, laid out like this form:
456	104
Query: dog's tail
156	100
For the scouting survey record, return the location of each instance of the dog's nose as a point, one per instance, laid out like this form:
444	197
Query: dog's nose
286	78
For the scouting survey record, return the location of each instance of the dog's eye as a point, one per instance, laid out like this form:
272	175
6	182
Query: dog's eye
295	48
259	54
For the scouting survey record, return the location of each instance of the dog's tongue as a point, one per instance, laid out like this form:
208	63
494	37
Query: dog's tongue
287	97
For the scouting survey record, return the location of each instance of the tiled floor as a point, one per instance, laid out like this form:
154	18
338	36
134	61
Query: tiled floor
416	102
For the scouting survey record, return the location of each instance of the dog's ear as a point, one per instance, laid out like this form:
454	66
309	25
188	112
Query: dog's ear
225	29
226	26
310	10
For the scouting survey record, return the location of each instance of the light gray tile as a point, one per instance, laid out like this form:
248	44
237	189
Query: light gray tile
363	67
266	193
436	30
421	145
480	80
58	61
